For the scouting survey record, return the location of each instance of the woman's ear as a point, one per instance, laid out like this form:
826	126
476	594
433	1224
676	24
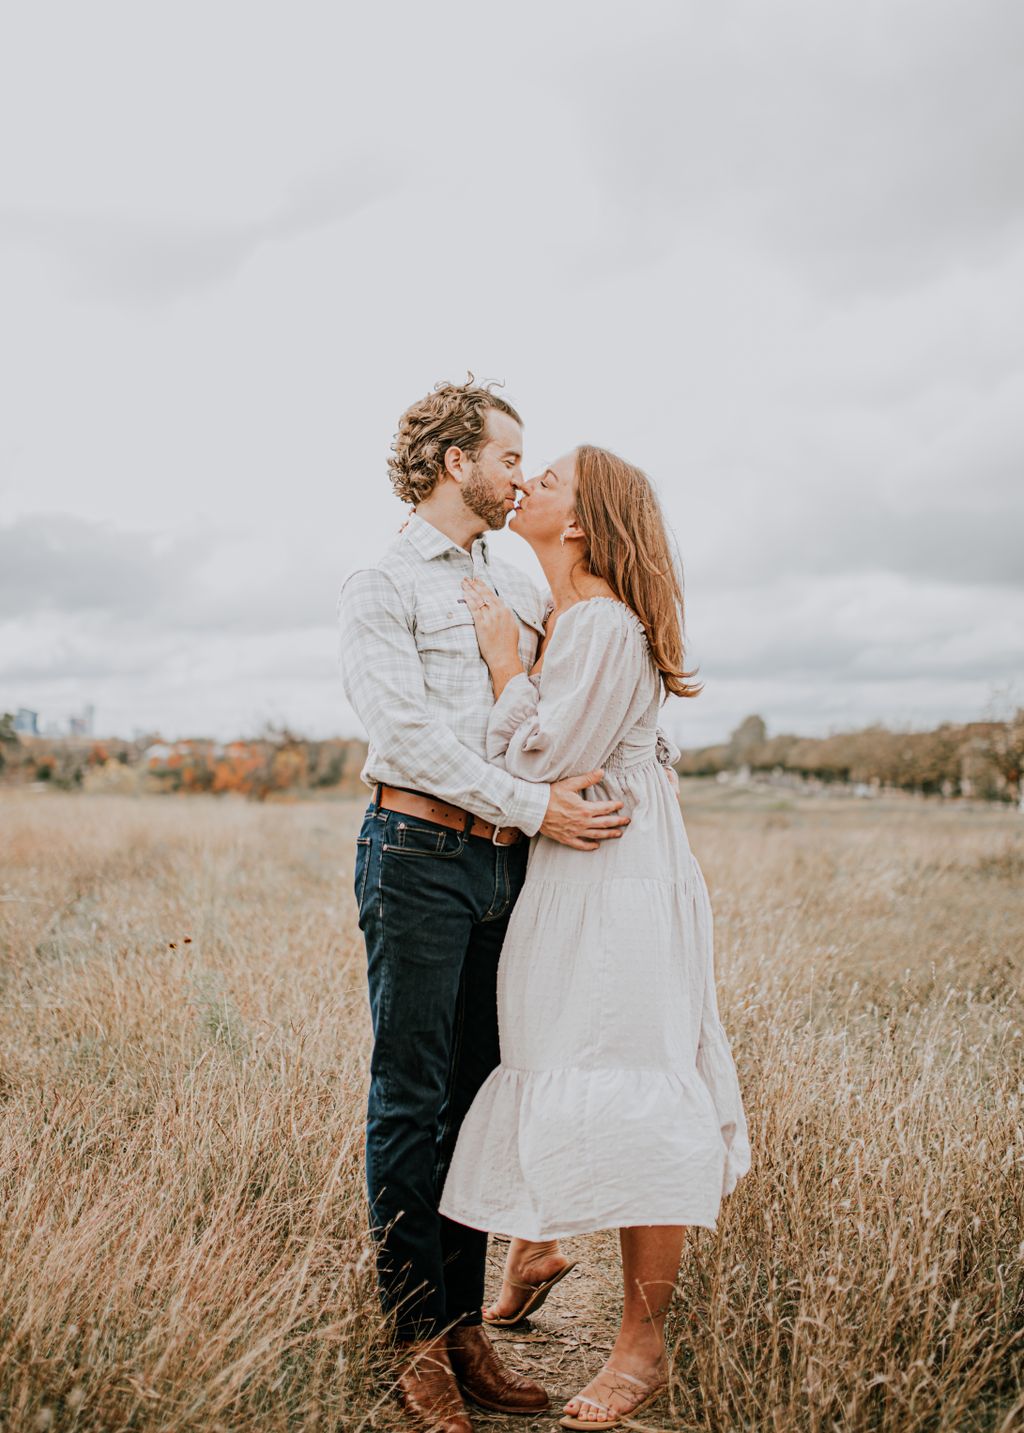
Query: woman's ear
574	530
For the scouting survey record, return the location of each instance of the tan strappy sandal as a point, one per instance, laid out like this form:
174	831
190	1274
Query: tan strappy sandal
648	1393
537	1294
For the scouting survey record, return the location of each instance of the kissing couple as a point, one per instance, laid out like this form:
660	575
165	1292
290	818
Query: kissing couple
548	1058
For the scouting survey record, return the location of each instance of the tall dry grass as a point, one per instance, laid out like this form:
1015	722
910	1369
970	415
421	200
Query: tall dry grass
183	1035
870	1271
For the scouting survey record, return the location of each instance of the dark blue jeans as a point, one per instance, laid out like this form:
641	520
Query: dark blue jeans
433	907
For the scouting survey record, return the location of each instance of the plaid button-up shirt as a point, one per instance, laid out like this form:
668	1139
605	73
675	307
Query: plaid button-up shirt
412	670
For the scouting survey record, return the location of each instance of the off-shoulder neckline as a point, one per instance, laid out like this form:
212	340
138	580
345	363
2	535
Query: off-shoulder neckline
535	674
584	601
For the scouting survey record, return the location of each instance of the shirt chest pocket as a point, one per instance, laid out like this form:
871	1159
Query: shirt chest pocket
445	634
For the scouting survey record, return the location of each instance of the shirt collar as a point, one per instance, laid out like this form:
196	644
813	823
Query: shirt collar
430	543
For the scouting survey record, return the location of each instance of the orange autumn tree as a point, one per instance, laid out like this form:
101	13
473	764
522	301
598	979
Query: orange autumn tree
238	768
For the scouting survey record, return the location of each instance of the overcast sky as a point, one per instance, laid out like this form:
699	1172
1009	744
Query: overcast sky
773	253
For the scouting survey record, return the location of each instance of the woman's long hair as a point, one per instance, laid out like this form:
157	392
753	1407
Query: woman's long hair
627	546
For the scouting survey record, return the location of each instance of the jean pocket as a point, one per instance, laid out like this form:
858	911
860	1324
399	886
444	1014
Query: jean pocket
361	870
403	837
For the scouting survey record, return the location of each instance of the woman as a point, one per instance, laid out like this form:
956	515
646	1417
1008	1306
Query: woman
616	1102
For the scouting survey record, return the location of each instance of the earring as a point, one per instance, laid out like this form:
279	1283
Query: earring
561	540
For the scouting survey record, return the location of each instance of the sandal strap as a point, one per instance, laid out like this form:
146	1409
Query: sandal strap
631	1378
645	1389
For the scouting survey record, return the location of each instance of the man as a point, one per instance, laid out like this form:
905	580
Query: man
440	860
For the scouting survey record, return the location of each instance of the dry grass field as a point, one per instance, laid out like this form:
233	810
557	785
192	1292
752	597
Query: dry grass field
183	1040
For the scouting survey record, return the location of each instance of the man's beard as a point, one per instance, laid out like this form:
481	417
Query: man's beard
480	499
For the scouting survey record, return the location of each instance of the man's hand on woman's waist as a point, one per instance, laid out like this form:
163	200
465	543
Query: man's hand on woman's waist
578	823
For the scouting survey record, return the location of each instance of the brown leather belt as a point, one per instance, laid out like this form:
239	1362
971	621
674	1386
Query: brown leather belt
428	808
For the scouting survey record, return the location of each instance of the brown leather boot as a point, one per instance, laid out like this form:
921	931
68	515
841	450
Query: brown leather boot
427	1389
485	1379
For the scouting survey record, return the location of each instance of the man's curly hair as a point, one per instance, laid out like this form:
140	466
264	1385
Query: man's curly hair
452	416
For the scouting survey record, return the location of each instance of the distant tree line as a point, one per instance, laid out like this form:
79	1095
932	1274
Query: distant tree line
982	759
276	762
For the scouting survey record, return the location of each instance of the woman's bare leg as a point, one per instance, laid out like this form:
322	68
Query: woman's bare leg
650	1268
527	1262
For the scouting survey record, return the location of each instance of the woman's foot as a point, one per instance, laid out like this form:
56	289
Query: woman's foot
528	1263
625	1382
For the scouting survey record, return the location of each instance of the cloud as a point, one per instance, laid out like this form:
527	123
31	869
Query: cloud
58	562
866	148
211	582
854	630
813	654
817	533
127	258
178	681
927	485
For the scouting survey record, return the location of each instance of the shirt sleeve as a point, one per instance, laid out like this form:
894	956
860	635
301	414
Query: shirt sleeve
383	680
588	696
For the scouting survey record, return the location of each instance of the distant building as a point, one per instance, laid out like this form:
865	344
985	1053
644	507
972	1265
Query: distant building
26	722
82	724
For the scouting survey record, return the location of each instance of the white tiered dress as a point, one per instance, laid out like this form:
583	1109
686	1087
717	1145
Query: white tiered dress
616	1101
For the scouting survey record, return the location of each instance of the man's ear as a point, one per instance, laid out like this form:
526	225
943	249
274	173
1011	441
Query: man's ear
455	461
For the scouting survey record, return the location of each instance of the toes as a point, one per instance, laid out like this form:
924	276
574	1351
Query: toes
586	1412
